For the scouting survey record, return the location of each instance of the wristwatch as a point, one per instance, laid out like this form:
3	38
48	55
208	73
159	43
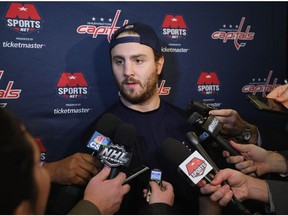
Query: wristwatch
246	135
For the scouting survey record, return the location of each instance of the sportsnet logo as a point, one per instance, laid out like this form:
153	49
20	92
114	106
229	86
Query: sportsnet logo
208	83
235	34
174	27
195	167
72	85
23	18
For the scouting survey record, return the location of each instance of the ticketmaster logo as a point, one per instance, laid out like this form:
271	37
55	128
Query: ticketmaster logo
19	45
71	111
174	50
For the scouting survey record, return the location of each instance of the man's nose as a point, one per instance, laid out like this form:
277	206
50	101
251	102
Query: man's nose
128	69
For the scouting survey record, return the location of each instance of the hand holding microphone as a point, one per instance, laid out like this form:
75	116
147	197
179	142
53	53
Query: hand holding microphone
106	194
239	185
193	167
210	128
258	160
120	153
79	168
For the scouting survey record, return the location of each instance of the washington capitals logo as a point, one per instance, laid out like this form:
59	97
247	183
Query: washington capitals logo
93	28
8	92
72	85
23	18
235	34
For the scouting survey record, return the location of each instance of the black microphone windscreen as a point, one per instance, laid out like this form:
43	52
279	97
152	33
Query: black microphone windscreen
107	124
174	151
125	135
194	118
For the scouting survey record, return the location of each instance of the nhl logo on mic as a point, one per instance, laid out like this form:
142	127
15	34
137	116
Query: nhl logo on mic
115	155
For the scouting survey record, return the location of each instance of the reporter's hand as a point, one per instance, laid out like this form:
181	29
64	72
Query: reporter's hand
223	194
233	124
242	186
76	169
258	160
165	194
280	94
106	194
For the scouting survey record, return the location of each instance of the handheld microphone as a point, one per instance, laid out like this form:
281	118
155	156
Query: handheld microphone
104	131
194	140
192	167
177	153
119	154
200	107
69	195
211	127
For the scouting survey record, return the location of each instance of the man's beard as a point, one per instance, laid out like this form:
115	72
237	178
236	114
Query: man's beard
150	88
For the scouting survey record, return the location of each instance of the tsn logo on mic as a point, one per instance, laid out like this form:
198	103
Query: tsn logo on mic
195	167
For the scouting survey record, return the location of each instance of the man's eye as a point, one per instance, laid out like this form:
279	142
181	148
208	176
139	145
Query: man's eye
139	61
118	61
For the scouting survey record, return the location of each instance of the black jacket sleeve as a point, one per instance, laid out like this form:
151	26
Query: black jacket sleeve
279	193
157	209
84	207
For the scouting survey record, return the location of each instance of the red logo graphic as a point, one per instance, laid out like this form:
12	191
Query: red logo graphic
72	85
261	87
101	30
162	90
41	148
235	35
9	92
208	83
174	27
196	167
23	18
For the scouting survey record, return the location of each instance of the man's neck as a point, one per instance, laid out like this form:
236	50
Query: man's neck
149	105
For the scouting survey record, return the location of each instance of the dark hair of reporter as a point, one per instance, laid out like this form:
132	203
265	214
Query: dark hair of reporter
17	182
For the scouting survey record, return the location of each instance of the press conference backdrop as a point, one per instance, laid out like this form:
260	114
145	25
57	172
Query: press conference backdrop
55	69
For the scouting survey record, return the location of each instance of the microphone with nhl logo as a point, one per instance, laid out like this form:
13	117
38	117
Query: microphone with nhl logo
120	153
69	195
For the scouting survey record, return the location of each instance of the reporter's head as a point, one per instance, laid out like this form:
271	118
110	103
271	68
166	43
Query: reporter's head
24	185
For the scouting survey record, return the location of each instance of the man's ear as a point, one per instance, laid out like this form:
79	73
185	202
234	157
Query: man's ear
160	64
24	208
